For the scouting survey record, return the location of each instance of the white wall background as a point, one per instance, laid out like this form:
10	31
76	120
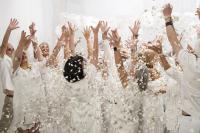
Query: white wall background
47	14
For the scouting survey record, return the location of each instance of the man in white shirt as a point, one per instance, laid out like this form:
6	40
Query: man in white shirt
6	77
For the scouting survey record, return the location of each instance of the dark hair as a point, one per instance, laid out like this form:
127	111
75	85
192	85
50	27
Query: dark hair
73	69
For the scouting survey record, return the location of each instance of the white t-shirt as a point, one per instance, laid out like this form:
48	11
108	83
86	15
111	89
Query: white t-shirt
189	82
29	100
6	73
81	102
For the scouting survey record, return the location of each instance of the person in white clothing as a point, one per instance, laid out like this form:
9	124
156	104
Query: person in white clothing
7	68
188	78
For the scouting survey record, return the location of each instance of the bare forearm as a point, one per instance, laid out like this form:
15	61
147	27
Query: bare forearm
133	57
89	49
173	39
17	57
66	52
95	50
54	55
5	42
163	61
121	70
133	63
72	44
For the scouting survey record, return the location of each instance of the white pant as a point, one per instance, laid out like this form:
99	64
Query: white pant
189	125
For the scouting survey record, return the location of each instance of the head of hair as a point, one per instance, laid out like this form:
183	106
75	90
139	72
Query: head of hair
74	69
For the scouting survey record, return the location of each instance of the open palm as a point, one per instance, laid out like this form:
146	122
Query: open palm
13	24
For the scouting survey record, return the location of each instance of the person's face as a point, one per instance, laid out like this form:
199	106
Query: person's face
45	49
10	50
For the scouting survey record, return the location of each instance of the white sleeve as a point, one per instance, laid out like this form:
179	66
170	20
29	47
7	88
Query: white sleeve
91	72
6	77
107	51
174	73
189	61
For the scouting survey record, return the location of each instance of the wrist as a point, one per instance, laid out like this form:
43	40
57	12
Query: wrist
135	36
116	48
133	50
87	40
9	29
168	18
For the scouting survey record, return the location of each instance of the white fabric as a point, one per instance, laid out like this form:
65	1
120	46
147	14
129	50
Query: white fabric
197	47
153	106
187	85
190	82
6	73
29	100
1	93
173	101
81	104
189	125
124	107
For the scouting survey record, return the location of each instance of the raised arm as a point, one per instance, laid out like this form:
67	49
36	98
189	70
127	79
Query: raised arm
115	40
12	26
72	30
133	45
36	49
86	33
157	47
60	42
96	44
171	33
104	29
24	40
67	38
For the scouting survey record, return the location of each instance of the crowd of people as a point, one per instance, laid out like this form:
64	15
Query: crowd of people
120	89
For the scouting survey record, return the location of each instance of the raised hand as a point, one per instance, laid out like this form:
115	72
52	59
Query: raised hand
63	35
86	32
13	24
135	29
32	29
72	28
104	28
24	39
156	45
114	38
167	10
96	29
